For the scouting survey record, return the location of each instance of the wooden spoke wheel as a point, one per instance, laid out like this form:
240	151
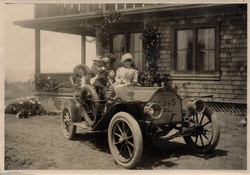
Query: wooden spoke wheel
206	134
68	128
125	140
91	100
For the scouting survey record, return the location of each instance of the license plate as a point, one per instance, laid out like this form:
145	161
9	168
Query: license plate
166	102
171	107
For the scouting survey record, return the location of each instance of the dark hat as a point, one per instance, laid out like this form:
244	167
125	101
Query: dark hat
110	57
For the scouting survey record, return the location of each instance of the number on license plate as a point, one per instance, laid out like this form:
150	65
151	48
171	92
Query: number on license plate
170	102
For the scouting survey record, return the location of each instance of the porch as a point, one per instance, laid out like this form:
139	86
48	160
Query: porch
228	85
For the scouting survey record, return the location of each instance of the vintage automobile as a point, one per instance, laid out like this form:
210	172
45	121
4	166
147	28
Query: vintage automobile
131	114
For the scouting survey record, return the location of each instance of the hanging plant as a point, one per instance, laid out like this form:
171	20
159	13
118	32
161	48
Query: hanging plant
47	83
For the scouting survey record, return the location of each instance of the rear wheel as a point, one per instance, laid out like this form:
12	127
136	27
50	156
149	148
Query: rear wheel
206	134
91	100
68	128
125	140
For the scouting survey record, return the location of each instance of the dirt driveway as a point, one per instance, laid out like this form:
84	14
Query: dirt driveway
37	143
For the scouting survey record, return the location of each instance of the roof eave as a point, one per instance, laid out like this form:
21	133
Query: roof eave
31	23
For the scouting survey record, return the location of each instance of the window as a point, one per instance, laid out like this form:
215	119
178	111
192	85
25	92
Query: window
128	43
135	48
118	47
195	49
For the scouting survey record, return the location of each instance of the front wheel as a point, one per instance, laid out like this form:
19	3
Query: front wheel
125	140
206	134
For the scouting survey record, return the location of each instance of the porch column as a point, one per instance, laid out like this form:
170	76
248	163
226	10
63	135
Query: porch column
99	50
83	50
37	52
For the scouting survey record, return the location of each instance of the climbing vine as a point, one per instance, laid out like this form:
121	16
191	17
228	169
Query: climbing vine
110	18
151	47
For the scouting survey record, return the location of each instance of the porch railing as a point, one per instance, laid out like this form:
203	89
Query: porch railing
62	79
55	100
49	10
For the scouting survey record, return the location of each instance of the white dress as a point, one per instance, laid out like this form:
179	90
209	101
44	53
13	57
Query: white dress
126	75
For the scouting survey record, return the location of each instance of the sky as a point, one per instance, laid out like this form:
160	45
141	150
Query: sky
59	52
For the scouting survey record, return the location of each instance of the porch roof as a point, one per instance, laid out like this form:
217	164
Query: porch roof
72	23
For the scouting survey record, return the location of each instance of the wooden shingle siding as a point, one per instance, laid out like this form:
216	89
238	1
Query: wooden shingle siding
231	85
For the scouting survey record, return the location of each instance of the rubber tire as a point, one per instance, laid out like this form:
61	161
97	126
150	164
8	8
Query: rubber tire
137	139
95	98
69	135
215	135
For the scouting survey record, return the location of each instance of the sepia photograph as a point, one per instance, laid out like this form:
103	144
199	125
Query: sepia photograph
125	86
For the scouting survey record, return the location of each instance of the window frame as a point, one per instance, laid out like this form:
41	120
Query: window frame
194	27
127	41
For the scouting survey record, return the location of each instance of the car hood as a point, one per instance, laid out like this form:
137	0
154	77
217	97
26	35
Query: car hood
135	93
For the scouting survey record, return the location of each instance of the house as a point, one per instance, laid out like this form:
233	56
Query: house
203	46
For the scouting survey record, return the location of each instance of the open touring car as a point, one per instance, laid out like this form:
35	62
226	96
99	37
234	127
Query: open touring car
131	114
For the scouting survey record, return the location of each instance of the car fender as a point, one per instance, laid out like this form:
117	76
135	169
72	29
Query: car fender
76	107
133	108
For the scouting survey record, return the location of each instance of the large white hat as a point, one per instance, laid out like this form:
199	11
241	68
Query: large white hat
126	57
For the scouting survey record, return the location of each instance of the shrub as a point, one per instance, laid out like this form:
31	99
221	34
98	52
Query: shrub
26	108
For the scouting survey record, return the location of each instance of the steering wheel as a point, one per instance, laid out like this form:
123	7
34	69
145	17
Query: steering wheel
104	72
103	77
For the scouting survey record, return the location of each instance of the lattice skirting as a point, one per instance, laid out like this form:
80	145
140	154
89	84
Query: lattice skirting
228	107
53	101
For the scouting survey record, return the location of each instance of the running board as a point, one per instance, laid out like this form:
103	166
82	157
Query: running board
83	125
86	128
175	135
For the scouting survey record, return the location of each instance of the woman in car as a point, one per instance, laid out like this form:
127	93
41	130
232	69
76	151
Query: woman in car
126	75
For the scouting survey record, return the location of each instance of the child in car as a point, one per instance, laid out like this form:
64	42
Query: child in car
126	75
81	76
